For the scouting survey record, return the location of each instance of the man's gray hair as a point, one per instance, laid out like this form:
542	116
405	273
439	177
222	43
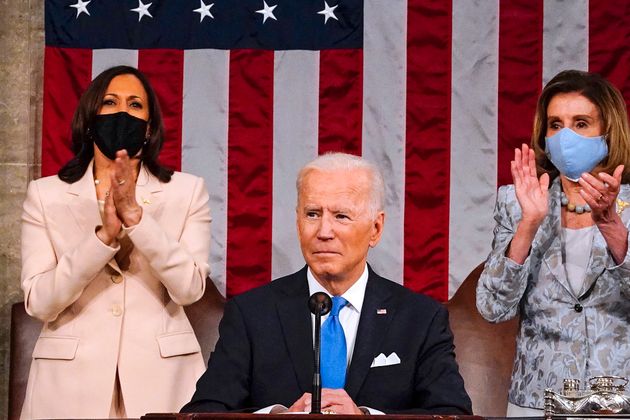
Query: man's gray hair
335	161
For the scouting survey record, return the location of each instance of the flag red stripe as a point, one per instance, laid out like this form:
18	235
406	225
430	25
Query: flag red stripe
427	168
340	101
165	70
250	167
520	77
609	38
68	73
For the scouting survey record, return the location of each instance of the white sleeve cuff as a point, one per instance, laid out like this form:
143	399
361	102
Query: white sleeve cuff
372	411
267	410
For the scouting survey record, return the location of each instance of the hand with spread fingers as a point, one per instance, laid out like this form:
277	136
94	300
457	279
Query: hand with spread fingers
531	192
123	185
533	197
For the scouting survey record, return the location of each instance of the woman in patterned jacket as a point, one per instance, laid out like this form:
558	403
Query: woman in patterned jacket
560	257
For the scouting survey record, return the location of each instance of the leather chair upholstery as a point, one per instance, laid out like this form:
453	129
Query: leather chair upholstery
204	315
485	351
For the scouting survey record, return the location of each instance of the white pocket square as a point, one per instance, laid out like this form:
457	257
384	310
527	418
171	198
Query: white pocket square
382	360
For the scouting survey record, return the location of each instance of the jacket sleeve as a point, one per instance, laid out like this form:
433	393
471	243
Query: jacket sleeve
181	265
53	282
225	385
622	270
439	387
503	282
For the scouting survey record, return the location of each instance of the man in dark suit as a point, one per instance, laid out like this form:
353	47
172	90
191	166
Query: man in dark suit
397	348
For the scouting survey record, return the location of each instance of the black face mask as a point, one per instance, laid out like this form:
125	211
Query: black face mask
113	132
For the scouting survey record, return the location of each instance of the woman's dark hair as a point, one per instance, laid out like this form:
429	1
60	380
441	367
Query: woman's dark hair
612	111
83	119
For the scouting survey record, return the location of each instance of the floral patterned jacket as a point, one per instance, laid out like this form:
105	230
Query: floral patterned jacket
562	335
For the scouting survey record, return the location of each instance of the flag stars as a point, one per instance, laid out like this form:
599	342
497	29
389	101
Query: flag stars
142	10
328	12
81	7
204	10
267	11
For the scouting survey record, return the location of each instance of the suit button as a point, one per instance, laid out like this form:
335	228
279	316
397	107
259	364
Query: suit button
116	278
116	310
578	308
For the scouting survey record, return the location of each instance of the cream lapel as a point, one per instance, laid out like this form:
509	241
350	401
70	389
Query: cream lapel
149	193
84	207
82	203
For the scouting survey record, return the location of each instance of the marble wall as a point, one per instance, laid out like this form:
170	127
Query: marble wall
21	69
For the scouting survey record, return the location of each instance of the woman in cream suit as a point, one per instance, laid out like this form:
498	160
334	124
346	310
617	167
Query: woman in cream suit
560	255
112	248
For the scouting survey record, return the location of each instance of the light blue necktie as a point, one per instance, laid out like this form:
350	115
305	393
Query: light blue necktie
333	351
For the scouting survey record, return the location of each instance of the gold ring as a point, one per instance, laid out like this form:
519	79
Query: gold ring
122	181
328	412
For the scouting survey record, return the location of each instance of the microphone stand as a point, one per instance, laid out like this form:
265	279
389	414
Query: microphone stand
319	304
316	399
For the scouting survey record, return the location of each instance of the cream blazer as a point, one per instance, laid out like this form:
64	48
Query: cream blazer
99	317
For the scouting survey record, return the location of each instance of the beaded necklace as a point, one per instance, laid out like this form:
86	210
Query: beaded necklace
579	209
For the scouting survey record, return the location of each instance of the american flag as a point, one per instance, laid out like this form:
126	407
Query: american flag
437	92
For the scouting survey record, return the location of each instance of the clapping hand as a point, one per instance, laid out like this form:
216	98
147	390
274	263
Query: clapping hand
123	190
600	193
531	192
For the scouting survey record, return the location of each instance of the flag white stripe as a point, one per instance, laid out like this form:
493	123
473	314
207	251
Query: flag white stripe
109	57
204	141
565	36
384	111
474	110
295	142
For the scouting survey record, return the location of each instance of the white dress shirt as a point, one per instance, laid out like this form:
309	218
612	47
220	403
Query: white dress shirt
350	314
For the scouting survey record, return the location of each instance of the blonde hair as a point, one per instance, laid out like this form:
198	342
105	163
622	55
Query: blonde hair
612	110
335	161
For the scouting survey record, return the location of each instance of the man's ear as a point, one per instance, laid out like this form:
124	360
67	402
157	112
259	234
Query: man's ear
377	228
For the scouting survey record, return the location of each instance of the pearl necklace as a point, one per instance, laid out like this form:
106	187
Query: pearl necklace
579	209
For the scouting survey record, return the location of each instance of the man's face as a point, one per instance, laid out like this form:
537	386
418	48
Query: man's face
334	223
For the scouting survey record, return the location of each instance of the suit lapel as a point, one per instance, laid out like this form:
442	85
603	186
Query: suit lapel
295	320
149	193
82	204
549	240
597	263
84	207
371	331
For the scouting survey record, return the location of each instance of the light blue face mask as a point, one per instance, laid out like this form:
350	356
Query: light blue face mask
573	154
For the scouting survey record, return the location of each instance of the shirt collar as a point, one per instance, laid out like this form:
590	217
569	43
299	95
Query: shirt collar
354	295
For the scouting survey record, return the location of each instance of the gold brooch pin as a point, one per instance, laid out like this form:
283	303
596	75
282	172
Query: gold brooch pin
621	205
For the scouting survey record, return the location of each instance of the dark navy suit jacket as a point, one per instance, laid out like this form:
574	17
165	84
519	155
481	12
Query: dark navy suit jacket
264	355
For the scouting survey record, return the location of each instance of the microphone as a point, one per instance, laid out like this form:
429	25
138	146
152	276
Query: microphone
319	304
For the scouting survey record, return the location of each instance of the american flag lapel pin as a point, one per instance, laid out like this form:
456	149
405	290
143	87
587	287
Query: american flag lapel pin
381	311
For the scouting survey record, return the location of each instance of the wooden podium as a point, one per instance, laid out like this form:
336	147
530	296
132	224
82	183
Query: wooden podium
249	416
